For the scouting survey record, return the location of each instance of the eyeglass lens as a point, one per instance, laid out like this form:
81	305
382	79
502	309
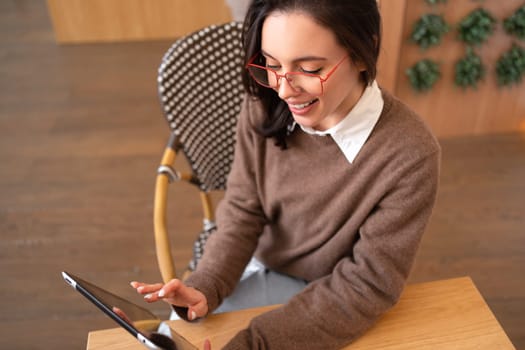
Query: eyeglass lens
300	81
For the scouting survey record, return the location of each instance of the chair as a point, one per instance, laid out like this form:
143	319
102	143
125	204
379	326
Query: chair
200	90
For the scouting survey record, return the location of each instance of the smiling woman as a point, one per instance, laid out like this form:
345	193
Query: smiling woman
104	118
335	246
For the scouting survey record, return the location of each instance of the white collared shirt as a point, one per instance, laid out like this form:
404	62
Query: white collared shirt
351	133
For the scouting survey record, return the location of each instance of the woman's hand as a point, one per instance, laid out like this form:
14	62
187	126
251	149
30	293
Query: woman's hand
176	293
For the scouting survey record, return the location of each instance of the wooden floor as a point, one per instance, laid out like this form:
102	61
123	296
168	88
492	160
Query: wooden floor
81	133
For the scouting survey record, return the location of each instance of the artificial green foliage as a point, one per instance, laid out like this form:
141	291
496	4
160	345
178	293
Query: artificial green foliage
515	24
423	74
469	70
429	30
476	27
510	67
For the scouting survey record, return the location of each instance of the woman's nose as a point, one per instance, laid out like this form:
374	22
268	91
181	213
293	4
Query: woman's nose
285	89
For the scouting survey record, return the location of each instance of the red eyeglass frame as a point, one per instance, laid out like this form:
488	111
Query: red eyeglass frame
279	76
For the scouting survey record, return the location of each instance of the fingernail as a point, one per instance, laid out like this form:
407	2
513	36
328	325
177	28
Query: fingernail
147	296
140	289
133	284
193	315
161	293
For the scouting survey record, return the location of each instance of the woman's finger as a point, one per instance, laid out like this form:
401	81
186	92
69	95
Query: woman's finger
143	288
198	309
177	289
122	315
177	293
149	291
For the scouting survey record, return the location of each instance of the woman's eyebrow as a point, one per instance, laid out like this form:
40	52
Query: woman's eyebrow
298	59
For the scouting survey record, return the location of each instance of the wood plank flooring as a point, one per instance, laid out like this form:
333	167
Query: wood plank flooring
81	133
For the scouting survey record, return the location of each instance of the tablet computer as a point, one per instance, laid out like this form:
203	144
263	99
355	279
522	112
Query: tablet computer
136	320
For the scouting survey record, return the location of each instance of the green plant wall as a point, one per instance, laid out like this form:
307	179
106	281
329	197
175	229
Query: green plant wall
474	31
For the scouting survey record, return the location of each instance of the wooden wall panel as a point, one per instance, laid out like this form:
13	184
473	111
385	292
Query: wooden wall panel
77	21
451	110
448	109
392	16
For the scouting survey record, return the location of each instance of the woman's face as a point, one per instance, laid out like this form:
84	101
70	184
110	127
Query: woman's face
294	42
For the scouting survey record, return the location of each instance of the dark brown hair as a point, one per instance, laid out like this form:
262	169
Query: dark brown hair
356	25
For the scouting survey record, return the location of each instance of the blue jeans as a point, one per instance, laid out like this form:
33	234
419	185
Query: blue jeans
260	286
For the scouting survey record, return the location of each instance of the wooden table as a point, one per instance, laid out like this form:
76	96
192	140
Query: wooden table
447	314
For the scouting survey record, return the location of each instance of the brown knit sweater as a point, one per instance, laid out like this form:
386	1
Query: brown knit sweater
352	230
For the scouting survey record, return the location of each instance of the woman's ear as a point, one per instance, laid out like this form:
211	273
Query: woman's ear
361	66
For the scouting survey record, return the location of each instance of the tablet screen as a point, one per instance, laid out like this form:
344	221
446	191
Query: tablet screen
138	321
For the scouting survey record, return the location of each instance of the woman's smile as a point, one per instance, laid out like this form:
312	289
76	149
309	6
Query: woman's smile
302	108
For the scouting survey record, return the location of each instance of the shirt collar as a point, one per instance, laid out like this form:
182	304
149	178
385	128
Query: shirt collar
351	133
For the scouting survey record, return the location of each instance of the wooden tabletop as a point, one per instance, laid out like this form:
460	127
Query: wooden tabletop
447	314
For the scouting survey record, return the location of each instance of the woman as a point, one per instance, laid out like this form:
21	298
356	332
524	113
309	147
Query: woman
332	184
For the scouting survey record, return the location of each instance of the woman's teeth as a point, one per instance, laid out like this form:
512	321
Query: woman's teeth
302	105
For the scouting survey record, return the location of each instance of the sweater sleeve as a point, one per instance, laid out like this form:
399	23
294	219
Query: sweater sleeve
336	309
240	221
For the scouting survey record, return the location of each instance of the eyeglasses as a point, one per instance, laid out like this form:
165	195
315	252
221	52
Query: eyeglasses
309	82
